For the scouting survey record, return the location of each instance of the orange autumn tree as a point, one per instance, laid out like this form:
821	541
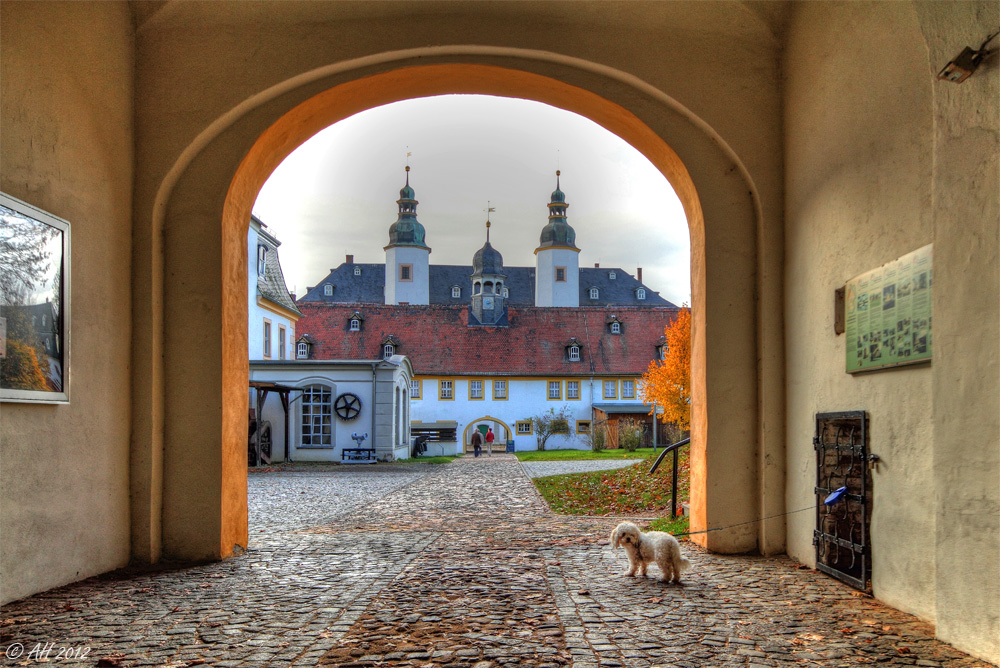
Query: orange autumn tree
667	382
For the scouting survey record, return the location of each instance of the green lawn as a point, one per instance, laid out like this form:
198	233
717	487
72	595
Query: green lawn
563	455
627	491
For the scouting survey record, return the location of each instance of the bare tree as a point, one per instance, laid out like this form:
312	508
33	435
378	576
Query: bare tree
550	423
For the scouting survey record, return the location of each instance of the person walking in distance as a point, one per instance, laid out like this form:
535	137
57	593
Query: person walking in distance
477	442
489	441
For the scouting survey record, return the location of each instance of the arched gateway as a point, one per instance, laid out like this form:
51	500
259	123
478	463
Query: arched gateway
199	388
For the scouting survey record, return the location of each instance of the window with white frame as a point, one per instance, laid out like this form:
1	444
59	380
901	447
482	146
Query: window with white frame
456	291
523	427
499	389
594	293
616	328
317	416
446	389
388	350
327	289
611	275
302	350
628	389
261	259
640	293
475	389
574	353
555	389
415	388
281	342
572	389
610	389
357	271
267	338
355	325
506	293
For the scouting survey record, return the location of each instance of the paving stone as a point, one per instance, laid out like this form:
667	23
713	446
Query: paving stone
460	565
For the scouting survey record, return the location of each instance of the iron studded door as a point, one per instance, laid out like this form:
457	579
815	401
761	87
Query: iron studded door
843	521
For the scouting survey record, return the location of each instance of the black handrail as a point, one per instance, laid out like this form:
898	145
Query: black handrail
673	479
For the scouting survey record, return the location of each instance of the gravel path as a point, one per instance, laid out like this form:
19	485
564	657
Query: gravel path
542	469
456	566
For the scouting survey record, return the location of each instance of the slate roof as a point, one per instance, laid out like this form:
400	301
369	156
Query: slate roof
438	340
272	284
369	287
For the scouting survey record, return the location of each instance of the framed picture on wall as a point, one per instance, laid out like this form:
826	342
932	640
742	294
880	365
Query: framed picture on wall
34	304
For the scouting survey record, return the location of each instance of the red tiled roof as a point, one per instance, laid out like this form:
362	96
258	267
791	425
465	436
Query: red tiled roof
438	340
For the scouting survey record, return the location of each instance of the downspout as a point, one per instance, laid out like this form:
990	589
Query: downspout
374	447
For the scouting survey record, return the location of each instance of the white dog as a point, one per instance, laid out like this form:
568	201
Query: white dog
642	548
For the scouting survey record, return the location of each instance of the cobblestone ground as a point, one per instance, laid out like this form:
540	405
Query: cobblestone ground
460	565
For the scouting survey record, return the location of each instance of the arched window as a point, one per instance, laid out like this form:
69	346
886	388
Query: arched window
355	325
574	353
456	291
388	350
611	275
302	350
357	271
317	416
640	293
327	289
506	293
594	293
616	328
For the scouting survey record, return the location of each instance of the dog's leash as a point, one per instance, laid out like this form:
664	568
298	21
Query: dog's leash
834	497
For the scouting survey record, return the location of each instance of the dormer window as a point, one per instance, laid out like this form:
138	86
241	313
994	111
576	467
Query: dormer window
328	290
611	275
456	291
506	293
574	353
355	325
261	259
303	348
640	293
616	328
594	293
357	271
390	345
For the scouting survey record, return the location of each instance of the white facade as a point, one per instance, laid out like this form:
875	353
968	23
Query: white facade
476	400
407	275
270	326
552	264
315	431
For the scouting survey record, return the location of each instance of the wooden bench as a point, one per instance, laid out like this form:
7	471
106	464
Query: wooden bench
357	456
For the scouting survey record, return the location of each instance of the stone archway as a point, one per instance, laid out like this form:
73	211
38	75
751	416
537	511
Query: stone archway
467	434
223	174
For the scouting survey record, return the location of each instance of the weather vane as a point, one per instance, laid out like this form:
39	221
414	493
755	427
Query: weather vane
489	210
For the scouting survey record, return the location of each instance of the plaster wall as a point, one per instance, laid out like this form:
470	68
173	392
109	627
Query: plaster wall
414	291
875	169
66	104
526	397
549	292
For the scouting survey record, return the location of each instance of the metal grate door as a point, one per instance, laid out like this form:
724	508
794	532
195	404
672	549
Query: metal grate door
842	527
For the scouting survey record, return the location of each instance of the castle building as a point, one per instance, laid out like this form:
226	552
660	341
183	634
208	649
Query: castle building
492	345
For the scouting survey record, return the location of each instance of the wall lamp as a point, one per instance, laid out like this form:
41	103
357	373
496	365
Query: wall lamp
964	64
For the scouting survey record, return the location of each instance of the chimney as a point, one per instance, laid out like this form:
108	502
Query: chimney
292	295
638	274
597	265
350	259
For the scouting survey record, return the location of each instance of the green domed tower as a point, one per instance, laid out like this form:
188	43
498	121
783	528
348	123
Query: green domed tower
407	257
557	259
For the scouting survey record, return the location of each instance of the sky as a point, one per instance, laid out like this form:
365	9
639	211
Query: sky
336	194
